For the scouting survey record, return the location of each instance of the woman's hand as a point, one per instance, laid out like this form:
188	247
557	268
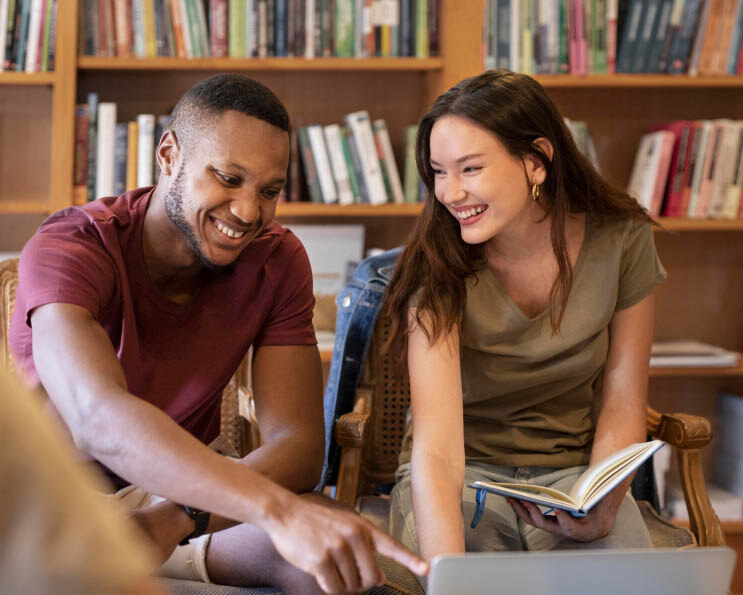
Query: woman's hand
595	525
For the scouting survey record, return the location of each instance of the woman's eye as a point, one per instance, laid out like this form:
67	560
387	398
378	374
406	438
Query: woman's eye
472	168
437	172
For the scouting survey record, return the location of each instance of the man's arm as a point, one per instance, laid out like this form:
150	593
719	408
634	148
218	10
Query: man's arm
79	370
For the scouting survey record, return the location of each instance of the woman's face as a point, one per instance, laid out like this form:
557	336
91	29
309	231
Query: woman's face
479	182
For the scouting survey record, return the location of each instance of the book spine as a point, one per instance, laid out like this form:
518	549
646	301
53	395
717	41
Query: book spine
705	183
202	28
43	43
281	29
728	26
92	144
294	165
674	27
384	143
701	141
110	28
123	23
338	163
649	23
160	36
322	163
629	36
137	27
350	168
4	9
309	20
412	178
52	37
236	37
723	169
148	25
735	45
652	61
310	170
218	27
191	24
80	172
711	40
105	149
421	29
145	149
132	149
358	123
674	196
697	35
119	161
678	55
734	191
357	167
611	36
344	28
695	133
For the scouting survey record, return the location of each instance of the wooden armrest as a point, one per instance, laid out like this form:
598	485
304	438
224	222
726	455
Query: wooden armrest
350	429
681	430
350	432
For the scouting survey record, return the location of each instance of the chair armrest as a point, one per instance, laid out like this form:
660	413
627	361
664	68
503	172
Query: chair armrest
350	433
681	430
688	433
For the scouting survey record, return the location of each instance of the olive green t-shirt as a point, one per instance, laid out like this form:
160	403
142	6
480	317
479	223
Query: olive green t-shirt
529	394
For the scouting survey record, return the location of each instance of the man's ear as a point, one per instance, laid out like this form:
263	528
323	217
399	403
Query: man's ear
167	152
535	170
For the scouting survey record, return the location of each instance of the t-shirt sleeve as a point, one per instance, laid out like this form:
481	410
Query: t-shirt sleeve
640	270
65	263
290	319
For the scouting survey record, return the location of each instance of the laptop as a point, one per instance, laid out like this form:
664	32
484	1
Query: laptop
698	571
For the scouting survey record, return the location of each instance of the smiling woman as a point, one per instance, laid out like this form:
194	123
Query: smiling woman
522	305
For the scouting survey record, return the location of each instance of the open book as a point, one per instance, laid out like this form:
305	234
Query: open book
593	484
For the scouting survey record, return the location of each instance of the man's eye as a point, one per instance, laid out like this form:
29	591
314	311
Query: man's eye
271	194
229	180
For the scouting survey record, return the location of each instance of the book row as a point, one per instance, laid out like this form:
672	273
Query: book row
259	28
691	169
27	35
328	164
695	37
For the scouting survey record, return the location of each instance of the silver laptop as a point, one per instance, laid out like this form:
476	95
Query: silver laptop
698	571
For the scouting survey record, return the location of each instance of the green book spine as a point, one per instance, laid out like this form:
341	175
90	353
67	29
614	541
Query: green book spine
350	167
563	60
421	28
193	28
310	169
45	46
412	179
237	28
344	28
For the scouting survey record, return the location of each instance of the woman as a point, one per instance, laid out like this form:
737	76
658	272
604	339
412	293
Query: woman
523	305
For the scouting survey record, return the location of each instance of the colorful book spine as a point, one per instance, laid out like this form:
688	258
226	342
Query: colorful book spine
218	27
344	28
177	24
363	138
132	148
352	176
92	144
202	28
334	143
236	37
121	137
421	29
310	170
658	40
390	166
681	44
630	35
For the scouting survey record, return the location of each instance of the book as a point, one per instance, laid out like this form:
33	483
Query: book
687	353
592	485
104	175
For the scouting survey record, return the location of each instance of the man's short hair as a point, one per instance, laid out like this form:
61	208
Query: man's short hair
222	92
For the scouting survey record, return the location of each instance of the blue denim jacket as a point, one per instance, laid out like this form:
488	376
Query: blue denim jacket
358	304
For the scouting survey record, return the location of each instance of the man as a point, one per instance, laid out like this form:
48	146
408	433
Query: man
134	312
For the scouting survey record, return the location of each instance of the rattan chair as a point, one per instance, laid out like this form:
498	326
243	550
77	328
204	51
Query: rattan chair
371	437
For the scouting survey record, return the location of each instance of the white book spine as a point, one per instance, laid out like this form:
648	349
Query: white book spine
322	163
515	48
640	168
734	192
696	180
338	163
145	149
3	27
262	30
724	168
138	27
309	29
32	41
380	130
105	149
358	123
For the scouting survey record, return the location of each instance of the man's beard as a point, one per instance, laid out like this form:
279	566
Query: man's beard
174	210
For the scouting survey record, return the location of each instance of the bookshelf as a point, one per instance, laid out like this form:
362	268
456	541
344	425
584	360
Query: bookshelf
703	297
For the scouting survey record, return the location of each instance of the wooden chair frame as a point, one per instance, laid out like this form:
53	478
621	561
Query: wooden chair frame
363	465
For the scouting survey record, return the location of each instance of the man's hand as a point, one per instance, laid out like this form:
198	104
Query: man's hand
336	546
595	525
165	524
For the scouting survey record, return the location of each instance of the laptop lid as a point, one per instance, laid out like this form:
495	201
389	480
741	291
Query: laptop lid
697	571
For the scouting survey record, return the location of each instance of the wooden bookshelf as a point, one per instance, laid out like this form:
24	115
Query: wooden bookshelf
24	78
253	64
641	81
309	209
24	206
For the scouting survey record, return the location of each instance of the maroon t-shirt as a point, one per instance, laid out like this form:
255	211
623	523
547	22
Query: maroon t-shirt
177	357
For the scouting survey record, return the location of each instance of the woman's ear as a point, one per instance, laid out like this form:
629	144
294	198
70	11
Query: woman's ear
535	169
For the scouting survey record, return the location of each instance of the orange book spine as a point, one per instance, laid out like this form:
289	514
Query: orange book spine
180	45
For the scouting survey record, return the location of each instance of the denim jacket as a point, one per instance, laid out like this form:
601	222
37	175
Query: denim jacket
357	307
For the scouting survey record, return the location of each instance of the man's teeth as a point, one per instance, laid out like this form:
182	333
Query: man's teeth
470	212
229	231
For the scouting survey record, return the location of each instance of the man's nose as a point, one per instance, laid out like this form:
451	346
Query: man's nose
246	208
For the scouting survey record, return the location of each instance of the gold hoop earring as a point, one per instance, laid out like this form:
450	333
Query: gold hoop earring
535	191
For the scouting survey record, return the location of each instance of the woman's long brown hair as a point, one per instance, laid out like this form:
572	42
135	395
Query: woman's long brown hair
436	261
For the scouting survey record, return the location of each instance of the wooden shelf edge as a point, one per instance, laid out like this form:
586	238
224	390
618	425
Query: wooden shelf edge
309	209
710	372
685	224
27	78
639	81
314	64
24	207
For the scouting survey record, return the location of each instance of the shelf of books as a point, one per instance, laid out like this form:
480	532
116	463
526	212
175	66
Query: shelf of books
311	209
256	64
27	78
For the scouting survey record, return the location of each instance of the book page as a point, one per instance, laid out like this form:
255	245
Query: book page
541	494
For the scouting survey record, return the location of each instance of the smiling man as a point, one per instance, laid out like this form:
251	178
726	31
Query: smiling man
134	312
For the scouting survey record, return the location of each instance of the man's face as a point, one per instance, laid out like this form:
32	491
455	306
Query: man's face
226	188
